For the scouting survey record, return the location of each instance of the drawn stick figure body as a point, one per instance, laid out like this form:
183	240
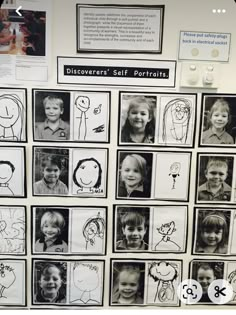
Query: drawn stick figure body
83	105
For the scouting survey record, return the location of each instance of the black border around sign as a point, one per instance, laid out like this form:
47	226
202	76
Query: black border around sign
200	60
69	91
204	95
68	148
25	179
64	305
26	230
206	202
121	6
155	145
25	277
32	207
24	90
151	198
144	260
122	85
194	237
114	211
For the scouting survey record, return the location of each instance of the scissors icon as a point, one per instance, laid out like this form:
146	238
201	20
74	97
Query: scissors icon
219	291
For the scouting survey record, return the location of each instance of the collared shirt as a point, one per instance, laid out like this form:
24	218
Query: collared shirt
139	192
223	194
122	245
146	139
137	300
44	132
57	246
212	138
41	188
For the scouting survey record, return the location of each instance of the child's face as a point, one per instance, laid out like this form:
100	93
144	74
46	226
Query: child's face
128	284
130	173
205	278
5	173
219	119
51	173
134	234
50	230
216	175
212	237
53	110
51	282
138	116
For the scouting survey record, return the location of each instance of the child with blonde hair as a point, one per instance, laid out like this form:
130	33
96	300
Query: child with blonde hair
52	224
219	118
139	126
133	174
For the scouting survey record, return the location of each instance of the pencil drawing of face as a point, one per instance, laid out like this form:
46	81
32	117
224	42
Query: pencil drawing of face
87	173
167	228
7	278
176	118
93	227
82	103
6	171
174	172
85	276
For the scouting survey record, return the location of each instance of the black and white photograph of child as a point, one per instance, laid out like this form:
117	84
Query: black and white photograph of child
51	230
91	116
12	115
134	174
51	115
132	229
89	169
218	127
172	175
169	228
128	283
86	282
50	278
12	170
212	231
12	230
176	119
162	283
12	282
51	171
205	272
137	118
88	230
215	178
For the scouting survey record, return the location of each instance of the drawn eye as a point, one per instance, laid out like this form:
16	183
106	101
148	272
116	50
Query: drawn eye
82	167
95	166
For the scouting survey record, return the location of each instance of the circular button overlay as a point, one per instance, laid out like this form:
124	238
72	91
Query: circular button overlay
189	291
220	291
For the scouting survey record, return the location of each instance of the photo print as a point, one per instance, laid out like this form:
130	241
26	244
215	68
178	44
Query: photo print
75	282
159	119
134	174
71	116
12	230
172	175
218	120
150	229
215	178
50	171
153	282
205	272
69	230
13	115
89	172
12	282
12	170
23	34
164	276
86	283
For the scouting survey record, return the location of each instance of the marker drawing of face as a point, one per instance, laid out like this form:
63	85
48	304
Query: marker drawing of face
87	173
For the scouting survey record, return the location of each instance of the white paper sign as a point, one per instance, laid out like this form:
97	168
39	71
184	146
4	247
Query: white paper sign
204	46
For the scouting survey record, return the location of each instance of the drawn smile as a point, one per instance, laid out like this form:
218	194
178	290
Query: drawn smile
6	117
3	177
163	274
85	183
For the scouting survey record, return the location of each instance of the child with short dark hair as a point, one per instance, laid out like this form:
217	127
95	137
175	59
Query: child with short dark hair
126	287
219	118
205	276
215	188
50	284
139	126
133	229
50	184
53	128
213	234
52	224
